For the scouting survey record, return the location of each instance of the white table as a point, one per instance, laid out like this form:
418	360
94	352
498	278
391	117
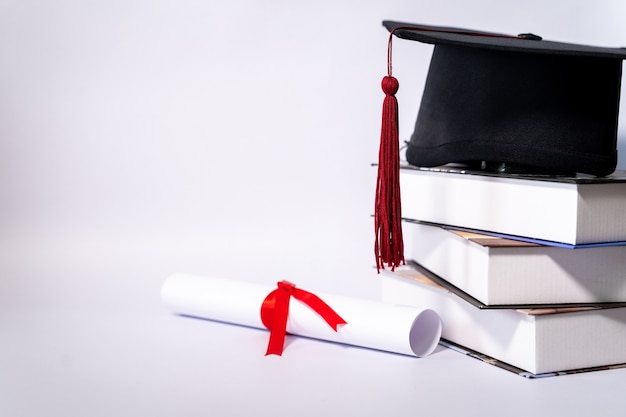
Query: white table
88	336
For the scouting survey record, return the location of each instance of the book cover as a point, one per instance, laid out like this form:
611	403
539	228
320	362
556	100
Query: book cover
518	371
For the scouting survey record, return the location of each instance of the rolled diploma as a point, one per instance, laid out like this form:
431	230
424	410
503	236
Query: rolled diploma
371	324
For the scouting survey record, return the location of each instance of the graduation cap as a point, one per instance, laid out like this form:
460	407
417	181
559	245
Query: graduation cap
508	103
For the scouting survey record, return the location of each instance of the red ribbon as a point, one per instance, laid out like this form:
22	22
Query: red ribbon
275	310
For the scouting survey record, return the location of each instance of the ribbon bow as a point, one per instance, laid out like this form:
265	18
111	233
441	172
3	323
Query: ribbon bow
275	310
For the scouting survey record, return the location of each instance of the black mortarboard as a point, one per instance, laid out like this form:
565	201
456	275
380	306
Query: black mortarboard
516	101
499	102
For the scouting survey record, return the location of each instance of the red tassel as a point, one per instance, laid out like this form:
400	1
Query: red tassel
389	246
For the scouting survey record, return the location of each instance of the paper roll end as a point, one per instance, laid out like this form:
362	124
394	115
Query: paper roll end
425	333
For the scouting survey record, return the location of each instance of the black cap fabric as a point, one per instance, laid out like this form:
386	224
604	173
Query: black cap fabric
515	101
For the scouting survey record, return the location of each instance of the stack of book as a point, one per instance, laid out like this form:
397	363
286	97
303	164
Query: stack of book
526	272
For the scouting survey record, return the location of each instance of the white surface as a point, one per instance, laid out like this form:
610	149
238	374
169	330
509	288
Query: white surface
139	138
105	349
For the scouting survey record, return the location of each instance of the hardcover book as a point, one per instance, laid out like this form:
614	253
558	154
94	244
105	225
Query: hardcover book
499	271
537	341
575	210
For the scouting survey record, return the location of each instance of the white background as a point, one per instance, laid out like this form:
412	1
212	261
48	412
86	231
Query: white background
140	138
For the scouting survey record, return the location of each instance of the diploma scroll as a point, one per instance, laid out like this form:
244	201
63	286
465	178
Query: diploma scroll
371	324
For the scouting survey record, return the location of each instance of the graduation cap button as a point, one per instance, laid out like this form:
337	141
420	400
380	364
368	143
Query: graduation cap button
529	36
